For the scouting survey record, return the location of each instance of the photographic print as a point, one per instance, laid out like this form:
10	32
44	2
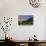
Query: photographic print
25	20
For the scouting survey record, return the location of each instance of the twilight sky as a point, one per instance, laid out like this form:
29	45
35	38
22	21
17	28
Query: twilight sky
24	17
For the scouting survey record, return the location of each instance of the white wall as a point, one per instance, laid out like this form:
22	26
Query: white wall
45	28
13	8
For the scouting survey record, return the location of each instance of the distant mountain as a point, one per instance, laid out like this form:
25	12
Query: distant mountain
29	21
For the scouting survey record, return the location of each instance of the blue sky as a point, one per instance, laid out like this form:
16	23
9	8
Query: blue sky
25	17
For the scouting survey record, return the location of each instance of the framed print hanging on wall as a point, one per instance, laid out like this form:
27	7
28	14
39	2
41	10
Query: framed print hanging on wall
25	20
